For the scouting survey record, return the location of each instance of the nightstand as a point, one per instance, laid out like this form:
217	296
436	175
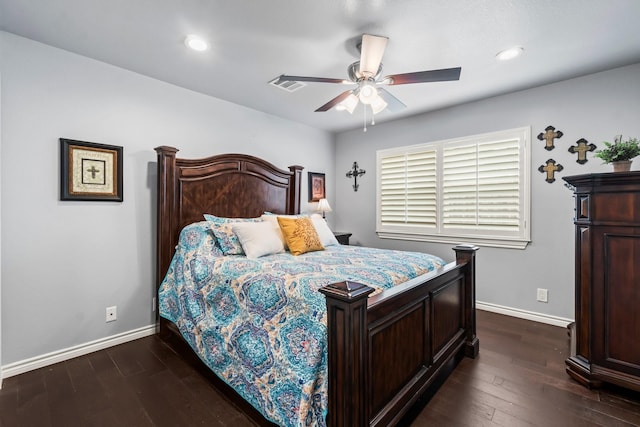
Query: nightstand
342	237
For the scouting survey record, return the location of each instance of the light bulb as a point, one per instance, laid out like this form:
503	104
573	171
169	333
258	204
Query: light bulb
510	53
196	43
368	93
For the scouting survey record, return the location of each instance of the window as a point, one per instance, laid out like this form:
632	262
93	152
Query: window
473	189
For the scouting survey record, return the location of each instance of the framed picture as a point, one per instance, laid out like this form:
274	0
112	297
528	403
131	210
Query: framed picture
316	187
90	171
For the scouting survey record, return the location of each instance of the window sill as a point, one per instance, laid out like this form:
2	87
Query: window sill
478	241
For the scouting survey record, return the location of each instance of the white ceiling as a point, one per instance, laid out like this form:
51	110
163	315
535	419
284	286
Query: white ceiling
254	41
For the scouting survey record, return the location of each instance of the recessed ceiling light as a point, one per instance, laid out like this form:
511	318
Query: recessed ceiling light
196	43
509	53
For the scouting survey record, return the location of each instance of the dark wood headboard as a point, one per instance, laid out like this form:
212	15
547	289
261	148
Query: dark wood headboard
227	185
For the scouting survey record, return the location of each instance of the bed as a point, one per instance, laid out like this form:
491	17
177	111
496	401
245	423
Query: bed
382	348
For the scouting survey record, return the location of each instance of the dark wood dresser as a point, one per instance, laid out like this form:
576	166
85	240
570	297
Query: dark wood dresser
607	328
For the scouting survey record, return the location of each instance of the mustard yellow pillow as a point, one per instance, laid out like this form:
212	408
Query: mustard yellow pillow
300	235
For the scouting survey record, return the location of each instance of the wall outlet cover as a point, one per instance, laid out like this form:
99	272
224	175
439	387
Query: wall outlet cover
543	295
112	314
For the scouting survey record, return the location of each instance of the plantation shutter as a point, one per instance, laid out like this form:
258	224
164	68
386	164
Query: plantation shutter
469	189
408	189
481	186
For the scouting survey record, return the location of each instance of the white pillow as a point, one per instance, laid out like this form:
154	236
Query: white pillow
258	238
273	219
324	232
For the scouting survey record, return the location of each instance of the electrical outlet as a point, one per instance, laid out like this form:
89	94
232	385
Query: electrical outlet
153	304
112	314
543	295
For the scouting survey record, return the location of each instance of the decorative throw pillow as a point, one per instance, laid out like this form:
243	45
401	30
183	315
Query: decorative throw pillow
223	220
222	230
258	238
227	239
215	219
300	235
327	238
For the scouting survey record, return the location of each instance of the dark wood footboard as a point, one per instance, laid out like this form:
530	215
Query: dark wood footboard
387	350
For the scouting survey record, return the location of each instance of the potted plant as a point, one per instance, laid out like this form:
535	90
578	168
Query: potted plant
620	153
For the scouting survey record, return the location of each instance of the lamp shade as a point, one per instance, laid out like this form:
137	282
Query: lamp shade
378	104
349	103
323	206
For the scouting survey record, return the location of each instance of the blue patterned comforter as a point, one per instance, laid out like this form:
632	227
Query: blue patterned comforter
260	324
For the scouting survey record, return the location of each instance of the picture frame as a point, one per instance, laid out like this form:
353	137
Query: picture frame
316	186
90	171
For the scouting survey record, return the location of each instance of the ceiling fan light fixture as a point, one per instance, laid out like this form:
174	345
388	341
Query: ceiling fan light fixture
349	104
368	93
196	43
378	105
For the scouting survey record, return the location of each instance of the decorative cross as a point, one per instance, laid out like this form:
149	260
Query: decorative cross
551	168
355	173
582	148
549	135
93	171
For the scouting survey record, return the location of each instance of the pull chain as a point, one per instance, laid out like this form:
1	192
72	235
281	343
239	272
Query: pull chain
373	117
364	109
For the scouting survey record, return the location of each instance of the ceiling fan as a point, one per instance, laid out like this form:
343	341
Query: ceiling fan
366	75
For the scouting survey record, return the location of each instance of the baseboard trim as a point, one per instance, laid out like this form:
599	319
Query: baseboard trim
22	366
37	362
524	314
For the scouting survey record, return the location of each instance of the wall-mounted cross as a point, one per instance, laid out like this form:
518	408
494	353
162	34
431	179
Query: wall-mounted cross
354	173
551	168
582	148
549	135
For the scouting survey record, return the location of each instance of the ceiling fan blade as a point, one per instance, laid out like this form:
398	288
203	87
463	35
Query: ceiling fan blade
285	78
371	52
335	101
443	75
393	103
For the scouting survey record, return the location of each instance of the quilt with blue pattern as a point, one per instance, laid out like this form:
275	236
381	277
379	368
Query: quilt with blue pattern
260	324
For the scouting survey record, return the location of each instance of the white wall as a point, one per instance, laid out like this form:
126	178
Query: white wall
1	376
63	263
594	107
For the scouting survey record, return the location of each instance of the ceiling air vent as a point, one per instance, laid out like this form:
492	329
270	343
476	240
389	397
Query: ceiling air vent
287	85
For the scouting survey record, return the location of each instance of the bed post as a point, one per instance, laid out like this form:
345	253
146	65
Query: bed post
165	214
293	202
347	353
466	254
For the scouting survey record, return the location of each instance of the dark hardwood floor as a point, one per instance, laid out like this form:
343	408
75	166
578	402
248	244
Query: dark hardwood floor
517	380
